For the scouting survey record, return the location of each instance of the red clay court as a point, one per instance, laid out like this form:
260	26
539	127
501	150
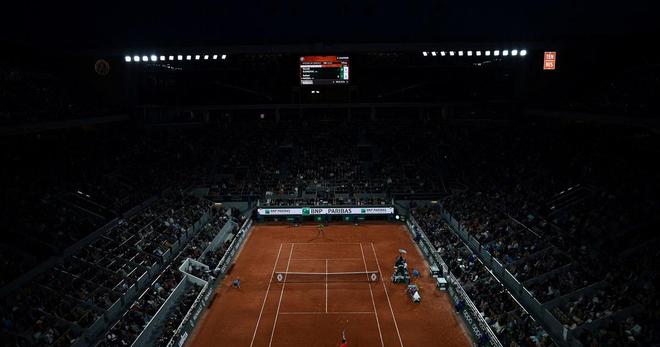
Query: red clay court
313	310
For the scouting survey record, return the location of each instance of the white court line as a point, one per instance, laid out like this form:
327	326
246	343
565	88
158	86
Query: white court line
372	298
266	296
326	286
324	243
303	313
319	259
387	295
277	313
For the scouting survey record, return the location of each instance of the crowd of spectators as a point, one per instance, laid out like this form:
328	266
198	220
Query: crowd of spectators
62	186
128	328
508	320
557	216
83	286
176	315
325	162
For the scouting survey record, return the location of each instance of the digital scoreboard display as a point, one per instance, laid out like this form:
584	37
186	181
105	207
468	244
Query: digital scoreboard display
323	70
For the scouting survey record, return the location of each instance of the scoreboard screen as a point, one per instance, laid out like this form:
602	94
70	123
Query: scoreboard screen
323	70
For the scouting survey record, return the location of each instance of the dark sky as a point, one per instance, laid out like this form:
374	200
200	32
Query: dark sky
110	25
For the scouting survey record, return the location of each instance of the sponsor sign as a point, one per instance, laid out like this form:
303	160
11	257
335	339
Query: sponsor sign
313	211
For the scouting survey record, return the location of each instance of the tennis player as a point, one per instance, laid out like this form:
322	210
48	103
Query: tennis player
343	338
236	283
321	233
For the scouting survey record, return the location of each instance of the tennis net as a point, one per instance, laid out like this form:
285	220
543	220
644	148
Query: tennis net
322	277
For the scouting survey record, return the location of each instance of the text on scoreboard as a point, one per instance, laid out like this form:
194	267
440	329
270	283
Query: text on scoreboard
323	70
313	211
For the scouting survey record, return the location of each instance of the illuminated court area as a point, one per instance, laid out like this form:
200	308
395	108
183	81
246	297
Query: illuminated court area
303	288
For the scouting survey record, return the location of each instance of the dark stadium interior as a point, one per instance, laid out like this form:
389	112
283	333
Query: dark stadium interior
138	143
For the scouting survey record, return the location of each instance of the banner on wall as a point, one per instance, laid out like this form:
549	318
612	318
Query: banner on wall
313	211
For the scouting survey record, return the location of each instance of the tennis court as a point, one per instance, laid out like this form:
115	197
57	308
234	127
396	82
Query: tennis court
302	289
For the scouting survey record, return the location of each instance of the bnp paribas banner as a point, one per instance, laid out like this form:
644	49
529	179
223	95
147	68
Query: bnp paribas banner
312	211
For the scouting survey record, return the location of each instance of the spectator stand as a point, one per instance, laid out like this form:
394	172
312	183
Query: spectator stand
82	284
187	324
175	315
124	242
522	295
478	327
154	328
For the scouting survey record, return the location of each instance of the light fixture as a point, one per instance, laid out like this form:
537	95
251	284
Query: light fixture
179	57
162	58
523	52
505	52
136	58
514	52
434	53
171	57
127	59
154	57
145	58
496	52
443	53
197	57
206	57
487	53
224	56
188	57
425	53
469	53
460	53
478	53
215	57
451	53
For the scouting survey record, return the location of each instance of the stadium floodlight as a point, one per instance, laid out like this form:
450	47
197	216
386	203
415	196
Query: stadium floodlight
434	53
206	57
127	59
496	52
514	52
171	57
162	58
443	53
425	53
523	52
188	57
505	52
197	57
469	53
154	57
145	58
179	57
136	58
223	57
478	53
451	53
487	53
460	53
215	57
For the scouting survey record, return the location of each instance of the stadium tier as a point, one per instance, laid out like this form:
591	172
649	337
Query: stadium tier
524	252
